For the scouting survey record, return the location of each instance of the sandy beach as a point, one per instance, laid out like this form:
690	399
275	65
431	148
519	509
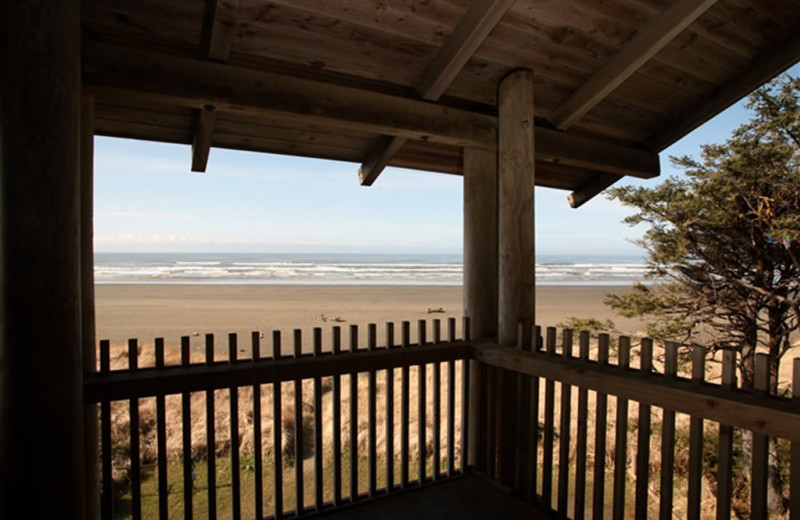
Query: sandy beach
146	311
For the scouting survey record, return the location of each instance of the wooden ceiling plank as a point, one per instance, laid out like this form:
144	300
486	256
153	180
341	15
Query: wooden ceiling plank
468	35
649	41
147	78
775	61
223	28
203	133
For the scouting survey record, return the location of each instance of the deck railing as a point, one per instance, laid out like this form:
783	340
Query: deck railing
276	435
602	428
667	437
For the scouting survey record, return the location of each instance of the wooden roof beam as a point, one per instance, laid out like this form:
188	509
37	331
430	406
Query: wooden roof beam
649	41
591	189
473	28
224	16
768	65
118	75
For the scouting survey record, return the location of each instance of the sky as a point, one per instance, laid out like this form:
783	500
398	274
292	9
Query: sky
147	200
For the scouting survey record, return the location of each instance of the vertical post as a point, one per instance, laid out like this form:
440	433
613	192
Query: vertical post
87	302
516	219
515	148
40	329
480	273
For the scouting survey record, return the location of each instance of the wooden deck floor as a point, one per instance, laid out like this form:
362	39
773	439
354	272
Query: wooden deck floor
466	498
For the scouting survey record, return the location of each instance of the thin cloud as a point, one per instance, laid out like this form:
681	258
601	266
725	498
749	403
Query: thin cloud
147	215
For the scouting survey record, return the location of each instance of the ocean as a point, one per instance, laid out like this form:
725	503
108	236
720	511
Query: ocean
342	268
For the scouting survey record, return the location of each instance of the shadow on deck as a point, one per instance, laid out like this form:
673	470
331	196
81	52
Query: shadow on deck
467	497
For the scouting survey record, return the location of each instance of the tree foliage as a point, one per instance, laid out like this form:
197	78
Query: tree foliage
723	241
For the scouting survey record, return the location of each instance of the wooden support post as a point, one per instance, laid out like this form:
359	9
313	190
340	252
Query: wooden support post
515	147
480	274
87	303
41	400
516	220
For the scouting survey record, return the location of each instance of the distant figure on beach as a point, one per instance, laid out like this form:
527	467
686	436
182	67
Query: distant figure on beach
431	310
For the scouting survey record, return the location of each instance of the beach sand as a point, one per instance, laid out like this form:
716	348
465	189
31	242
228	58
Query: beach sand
170	311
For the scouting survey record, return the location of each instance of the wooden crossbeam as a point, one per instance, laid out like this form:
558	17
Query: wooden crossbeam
649	41
765	66
473	28
122	76
592	188
224	16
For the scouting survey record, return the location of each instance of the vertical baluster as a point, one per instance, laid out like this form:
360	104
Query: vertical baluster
421	405
299	482
451	402
336	417
353	419
521	482
794	475
621	440
601	422
277	444
465	404
404	410
536	346
258	466
643	439
725	454
233	396
211	441
489	404
549	427
760	463
107	497
668	439
389	413
136	470
564	434
186	431
437	404
582	435
318	480
372	427
161	438
695	480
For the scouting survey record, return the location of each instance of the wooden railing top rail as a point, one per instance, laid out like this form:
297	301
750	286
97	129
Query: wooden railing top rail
147	382
760	413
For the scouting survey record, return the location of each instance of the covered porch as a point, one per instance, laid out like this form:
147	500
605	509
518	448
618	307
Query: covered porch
573	95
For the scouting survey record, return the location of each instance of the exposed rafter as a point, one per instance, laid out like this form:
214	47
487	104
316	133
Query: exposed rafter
649	41
147	78
223	24
592	188
469	34
767	66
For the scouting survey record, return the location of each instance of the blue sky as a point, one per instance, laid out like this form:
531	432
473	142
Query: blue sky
146	199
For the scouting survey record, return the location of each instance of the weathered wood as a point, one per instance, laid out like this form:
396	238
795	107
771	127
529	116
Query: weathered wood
135	453
372	414
768	416
107	492
211	443
593	187
318	428
41	364
600	434
233	400
258	449
186	433
161	438
225	14
88	337
203	134
581	435
725	451
695	478
668	439
621	438
336	418
549	426
353	447
389	406
565	412
472	29
277	438
643	438
650	40
515	203
759	469
405	398
767	65
422	398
